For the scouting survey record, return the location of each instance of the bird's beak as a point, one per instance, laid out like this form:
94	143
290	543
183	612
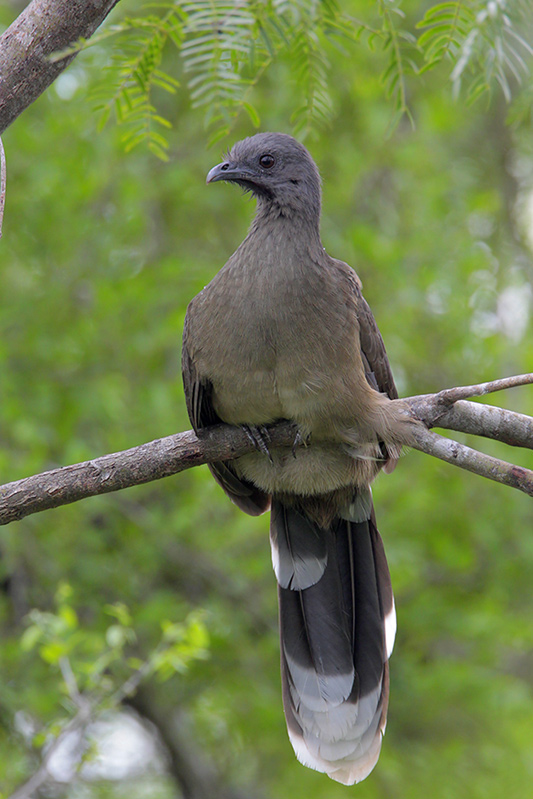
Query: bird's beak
228	171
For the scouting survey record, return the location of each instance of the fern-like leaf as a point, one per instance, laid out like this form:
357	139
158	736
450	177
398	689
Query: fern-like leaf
133	75
217	42
446	27
400	46
311	72
486	41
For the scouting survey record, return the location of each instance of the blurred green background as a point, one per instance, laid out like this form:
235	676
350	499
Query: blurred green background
101	253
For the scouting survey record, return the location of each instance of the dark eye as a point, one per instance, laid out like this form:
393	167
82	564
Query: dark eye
267	161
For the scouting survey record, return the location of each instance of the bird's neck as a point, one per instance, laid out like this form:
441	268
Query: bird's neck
286	230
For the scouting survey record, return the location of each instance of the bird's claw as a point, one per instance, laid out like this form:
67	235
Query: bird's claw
299	440
260	438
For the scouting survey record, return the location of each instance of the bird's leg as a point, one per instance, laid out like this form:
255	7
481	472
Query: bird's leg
300	440
260	438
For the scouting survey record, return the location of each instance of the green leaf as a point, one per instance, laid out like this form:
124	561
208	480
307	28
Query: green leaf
30	637
120	612
68	616
53	652
116	636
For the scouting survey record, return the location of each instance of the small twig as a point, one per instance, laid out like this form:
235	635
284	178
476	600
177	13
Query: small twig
69	679
3	173
87	706
473	461
450	395
130	686
78	722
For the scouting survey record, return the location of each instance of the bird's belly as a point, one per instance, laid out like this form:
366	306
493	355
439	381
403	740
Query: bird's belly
309	397
317	469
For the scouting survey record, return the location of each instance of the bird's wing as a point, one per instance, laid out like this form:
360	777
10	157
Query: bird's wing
376	363
198	398
377	366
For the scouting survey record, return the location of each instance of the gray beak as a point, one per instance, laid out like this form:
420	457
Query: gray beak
227	171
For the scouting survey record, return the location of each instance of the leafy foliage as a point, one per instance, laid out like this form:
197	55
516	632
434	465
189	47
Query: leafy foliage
485	41
399	44
93	659
447	26
226	48
134	74
99	670
215	49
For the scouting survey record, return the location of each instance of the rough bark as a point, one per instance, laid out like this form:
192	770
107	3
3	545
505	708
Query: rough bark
142	464
43	28
514	429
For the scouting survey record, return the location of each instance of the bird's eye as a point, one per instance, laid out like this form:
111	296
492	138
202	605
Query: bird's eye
267	161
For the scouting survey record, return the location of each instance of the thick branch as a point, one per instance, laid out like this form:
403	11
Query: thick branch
160	458
476	419
447	409
43	28
176	453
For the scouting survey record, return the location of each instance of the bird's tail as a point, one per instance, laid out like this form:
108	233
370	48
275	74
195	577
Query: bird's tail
337	626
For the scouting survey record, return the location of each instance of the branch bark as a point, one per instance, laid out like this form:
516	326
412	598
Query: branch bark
514	429
173	454
473	461
43	28
151	461
3	179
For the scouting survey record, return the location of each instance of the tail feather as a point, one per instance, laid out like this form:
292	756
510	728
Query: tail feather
299	549
336	637
319	657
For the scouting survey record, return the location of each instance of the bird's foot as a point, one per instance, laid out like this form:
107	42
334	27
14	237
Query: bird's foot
260	438
300	441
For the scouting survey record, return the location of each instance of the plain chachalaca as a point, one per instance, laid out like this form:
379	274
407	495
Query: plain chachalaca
283	332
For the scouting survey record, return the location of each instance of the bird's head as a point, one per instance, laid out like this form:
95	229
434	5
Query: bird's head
277	170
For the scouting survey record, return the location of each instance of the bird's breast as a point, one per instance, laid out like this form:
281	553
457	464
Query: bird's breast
276	345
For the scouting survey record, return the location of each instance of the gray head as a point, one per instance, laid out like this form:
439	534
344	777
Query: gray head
277	170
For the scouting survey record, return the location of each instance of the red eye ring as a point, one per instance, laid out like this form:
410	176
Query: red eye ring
267	161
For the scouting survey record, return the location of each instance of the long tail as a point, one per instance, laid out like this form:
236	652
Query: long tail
337	627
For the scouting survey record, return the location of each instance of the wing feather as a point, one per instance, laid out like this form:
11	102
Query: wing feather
199	401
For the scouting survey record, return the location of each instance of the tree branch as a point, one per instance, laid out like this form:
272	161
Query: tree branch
3	178
173	454
474	461
152	461
43	28
451	395
448	409
476	419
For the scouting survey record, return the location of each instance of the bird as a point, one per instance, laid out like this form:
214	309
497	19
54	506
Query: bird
282	332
